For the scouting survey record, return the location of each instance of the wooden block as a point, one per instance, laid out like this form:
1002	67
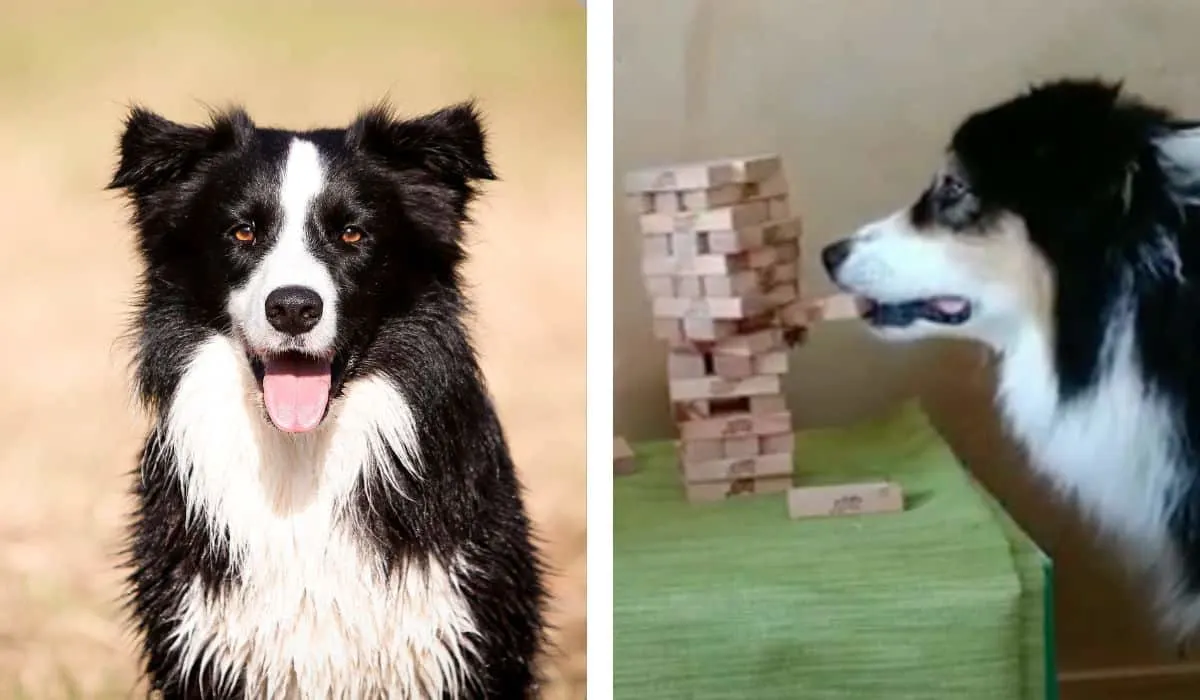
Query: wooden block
665	202
834	308
782	272
733	366
714	264
684	365
777	208
725	218
639	203
726	470
764	405
703	174
798	314
785	252
686	244
695	266
845	499
781	443
695	451
689	288
624	461
660	285
774	362
713	308
721	490
751	237
736	424
699	328
668	329
737	284
656	246
775	185
741	447
690	411
751	343
716	387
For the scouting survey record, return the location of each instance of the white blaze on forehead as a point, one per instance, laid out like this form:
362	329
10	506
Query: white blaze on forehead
290	261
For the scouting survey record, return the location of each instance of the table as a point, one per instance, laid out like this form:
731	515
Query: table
948	599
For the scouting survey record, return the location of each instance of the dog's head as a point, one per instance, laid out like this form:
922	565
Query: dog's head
1038	192
299	245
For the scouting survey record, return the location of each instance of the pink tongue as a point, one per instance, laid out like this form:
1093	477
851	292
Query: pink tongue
950	305
296	390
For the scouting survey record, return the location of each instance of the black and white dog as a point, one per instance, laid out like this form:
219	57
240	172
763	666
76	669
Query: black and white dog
326	504
1064	232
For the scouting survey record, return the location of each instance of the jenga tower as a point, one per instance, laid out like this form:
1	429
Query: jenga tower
721	260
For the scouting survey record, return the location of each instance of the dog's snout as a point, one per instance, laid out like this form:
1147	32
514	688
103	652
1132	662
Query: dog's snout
294	310
834	254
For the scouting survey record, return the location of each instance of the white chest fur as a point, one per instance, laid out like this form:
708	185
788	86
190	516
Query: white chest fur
312	616
1111	448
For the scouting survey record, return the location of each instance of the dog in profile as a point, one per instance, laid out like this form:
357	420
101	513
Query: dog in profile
326	505
1063	232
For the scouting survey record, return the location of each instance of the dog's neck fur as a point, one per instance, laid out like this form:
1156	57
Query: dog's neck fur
1111	449
313	613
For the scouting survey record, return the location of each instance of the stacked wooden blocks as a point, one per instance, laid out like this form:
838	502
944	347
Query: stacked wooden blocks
721	256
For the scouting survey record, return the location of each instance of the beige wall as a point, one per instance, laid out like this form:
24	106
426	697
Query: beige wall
859	97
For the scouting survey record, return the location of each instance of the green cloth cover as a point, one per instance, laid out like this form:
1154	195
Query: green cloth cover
734	600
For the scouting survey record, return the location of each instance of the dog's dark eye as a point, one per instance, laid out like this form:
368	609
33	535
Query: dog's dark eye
352	235
951	190
242	233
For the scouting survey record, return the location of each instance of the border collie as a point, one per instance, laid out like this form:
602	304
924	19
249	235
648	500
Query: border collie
325	504
1063	231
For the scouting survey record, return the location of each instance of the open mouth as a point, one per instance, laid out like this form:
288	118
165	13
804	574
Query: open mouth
946	310
296	387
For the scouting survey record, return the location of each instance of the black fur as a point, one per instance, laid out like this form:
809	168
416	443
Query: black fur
408	183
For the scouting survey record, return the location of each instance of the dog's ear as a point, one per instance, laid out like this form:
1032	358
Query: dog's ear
155	151
450	143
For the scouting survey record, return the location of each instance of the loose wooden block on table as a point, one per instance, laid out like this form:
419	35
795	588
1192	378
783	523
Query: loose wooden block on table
703	174
730	469
845	499
710	491
624	461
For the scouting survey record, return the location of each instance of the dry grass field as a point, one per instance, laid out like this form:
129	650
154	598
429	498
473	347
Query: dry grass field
68	433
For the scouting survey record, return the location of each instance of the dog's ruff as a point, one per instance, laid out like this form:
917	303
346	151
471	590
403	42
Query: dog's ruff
1066	222
312	611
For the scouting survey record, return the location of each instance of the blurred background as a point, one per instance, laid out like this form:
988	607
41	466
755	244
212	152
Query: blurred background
859	98
69	434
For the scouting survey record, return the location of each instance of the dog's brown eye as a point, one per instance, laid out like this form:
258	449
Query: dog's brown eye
352	235
242	233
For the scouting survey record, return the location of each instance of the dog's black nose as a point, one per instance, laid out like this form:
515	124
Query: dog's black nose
294	310
834	254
